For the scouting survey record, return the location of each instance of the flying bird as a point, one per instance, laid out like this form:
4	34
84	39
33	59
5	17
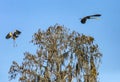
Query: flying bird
13	35
84	19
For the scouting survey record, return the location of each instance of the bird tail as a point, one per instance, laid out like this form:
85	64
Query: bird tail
14	43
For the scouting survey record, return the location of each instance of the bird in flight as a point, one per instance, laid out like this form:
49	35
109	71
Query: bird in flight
13	35
84	19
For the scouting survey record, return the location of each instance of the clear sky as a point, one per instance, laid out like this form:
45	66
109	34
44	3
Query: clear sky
30	15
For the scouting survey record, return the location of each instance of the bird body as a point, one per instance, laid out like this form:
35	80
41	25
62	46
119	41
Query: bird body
84	19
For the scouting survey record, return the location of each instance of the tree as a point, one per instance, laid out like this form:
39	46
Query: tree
62	56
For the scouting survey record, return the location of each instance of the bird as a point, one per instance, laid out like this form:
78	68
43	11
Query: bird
13	35
84	19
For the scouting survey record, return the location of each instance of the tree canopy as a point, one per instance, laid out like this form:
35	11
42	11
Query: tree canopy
62	56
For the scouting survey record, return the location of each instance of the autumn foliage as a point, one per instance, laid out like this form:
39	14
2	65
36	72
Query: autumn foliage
62	56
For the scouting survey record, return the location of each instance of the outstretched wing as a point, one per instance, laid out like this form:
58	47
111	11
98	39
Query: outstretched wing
17	32
8	36
96	15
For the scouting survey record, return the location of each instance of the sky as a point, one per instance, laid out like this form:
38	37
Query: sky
30	15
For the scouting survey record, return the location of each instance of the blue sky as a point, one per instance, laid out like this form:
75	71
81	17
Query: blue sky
30	15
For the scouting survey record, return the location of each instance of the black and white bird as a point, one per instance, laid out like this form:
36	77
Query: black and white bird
84	19
13	35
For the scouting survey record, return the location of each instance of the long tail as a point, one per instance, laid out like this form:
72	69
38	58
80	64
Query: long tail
14	43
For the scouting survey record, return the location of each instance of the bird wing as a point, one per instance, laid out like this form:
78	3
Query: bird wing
17	32
8	36
96	15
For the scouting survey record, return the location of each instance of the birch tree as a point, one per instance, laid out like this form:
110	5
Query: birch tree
61	56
